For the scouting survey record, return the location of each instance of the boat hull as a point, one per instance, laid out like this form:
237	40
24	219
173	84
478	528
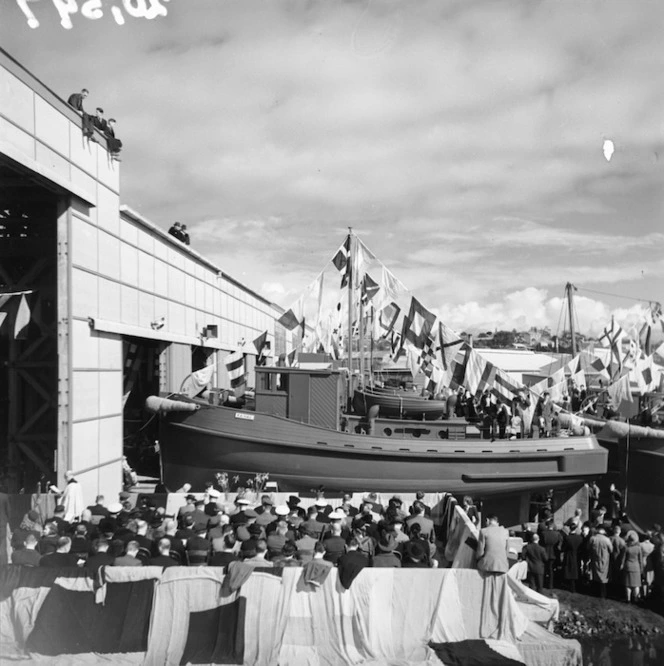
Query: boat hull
637	463
399	406
300	457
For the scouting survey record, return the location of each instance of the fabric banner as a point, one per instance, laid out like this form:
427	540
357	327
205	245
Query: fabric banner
619	391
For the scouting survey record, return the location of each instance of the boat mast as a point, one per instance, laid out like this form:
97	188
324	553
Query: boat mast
570	289
349	272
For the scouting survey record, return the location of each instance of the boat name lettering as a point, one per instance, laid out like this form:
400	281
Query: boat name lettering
247	417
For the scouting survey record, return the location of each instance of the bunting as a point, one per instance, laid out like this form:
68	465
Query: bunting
369	288
619	391
459	365
612	336
235	367
449	343
289	320
418	324
505	387
261	343
387	318
22	321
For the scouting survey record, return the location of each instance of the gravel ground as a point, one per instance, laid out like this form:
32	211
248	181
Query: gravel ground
582	615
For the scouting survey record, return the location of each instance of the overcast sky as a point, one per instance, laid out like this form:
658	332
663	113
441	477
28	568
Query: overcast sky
461	140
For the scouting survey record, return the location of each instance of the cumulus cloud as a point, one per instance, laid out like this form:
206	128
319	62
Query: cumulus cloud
463	139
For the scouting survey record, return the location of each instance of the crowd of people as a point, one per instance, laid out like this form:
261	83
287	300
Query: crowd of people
179	231
98	121
603	555
210	532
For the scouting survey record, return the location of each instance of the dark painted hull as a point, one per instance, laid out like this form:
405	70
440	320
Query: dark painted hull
299	457
637	464
399	406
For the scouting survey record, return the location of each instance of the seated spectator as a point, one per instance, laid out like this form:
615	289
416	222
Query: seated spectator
99	121
227	555
313	524
386	555
130	558
426	527
419	497
415	555
287	557
396	526
80	544
99	508
100	556
163	559
59	519
351	563
49	540
76	102
187	532
334	543
113	143
198	548
176	232
305	546
296	510
258	558
277	539
62	557
185	235
28	555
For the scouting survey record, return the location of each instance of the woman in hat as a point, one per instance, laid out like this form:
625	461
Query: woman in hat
632	566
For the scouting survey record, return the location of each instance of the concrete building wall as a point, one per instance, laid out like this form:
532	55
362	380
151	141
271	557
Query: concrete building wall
119	276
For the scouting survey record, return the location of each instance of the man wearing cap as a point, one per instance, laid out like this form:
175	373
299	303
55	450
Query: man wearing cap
492	548
415	555
239	517
280	514
287	557
198	547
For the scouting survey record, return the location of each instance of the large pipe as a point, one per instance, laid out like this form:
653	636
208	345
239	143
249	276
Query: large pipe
156	404
615	428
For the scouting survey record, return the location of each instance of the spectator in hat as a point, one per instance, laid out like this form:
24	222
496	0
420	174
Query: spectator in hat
189	507
377	507
536	558
186	532
386	555
130	558
415	555
347	505
62	557
241	507
492	547
394	509
293	504
632	566
220	528
266	512
199	516
28	555
198	547
250	530
100	556
287	557
277	538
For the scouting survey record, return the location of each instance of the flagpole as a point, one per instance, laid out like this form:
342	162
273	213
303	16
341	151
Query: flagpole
360	343
350	314
371	348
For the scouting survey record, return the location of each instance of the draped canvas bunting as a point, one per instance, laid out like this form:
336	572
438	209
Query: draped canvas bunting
235	367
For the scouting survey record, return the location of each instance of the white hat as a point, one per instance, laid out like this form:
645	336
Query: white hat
213	494
282	510
320	502
114	507
241	500
337	515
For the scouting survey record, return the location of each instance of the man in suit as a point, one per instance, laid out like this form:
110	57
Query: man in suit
536	558
28	555
419	497
62	557
314	525
99	121
100	556
163	559
419	518
99	508
551	540
76	100
189	507
130	558
492	547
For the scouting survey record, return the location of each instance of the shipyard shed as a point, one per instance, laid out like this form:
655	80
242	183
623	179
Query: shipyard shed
117	307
